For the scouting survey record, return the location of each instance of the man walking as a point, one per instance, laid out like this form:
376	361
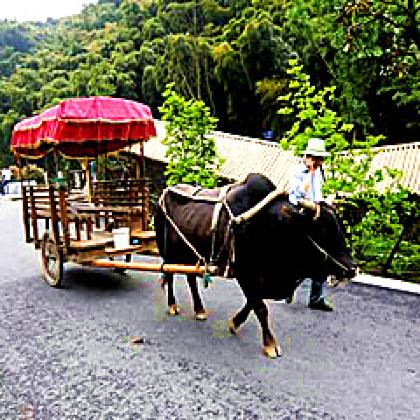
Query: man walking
306	183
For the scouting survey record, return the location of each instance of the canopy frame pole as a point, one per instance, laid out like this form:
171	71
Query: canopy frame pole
142	163
56	164
88	179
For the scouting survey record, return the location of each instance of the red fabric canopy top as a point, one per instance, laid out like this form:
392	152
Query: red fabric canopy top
84	127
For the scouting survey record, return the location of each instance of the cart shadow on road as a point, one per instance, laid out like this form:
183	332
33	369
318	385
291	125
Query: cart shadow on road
100	280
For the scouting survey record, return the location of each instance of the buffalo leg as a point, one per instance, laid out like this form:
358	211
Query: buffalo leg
239	318
200	313
271	348
173	308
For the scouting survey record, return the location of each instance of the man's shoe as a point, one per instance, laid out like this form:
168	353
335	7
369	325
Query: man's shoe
322	305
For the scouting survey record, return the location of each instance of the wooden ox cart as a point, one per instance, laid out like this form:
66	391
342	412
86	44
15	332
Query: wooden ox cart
69	226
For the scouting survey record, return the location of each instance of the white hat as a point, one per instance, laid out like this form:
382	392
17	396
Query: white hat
316	147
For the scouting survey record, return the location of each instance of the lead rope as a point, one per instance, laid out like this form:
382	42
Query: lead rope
215	220
178	231
327	255
206	276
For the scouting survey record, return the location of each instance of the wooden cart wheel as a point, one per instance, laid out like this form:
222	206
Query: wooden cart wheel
52	261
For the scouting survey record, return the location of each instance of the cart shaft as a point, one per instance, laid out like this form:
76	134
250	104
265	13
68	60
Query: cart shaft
147	266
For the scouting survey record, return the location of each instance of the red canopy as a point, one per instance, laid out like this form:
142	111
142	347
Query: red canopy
84	127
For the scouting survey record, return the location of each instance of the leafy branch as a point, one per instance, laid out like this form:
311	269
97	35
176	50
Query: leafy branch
191	149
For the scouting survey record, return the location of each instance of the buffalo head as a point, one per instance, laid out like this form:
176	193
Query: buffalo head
326	234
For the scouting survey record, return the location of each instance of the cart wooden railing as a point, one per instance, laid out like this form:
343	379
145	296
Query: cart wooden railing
36	205
130	197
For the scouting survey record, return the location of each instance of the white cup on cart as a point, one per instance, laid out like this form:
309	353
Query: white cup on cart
121	237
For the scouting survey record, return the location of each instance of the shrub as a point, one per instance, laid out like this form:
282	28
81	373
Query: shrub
191	149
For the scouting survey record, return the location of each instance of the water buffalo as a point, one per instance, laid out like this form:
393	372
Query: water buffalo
251	232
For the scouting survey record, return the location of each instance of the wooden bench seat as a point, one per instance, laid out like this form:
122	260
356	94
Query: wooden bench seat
125	201
143	235
99	240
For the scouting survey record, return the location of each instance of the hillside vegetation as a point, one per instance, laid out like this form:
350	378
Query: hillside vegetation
232	54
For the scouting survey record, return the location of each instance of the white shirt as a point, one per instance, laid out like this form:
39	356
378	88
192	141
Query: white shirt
298	179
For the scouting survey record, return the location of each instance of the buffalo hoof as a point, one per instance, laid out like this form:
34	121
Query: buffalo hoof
272	352
201	315
173	310
232	327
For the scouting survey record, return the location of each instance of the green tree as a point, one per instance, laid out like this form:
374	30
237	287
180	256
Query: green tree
6	123
386	35
191	149
349	168
381	240
231	54
313	117
369	49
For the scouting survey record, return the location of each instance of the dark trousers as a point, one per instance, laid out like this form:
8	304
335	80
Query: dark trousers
316	290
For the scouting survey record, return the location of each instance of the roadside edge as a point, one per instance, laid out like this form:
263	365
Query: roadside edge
387	283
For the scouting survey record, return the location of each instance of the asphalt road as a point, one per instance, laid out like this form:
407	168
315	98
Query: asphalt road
67	353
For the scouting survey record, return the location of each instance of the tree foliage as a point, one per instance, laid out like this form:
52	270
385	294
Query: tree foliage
386	216
369	49
191	148
231	54
312	116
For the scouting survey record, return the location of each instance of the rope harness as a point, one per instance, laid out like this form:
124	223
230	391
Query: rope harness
327	255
